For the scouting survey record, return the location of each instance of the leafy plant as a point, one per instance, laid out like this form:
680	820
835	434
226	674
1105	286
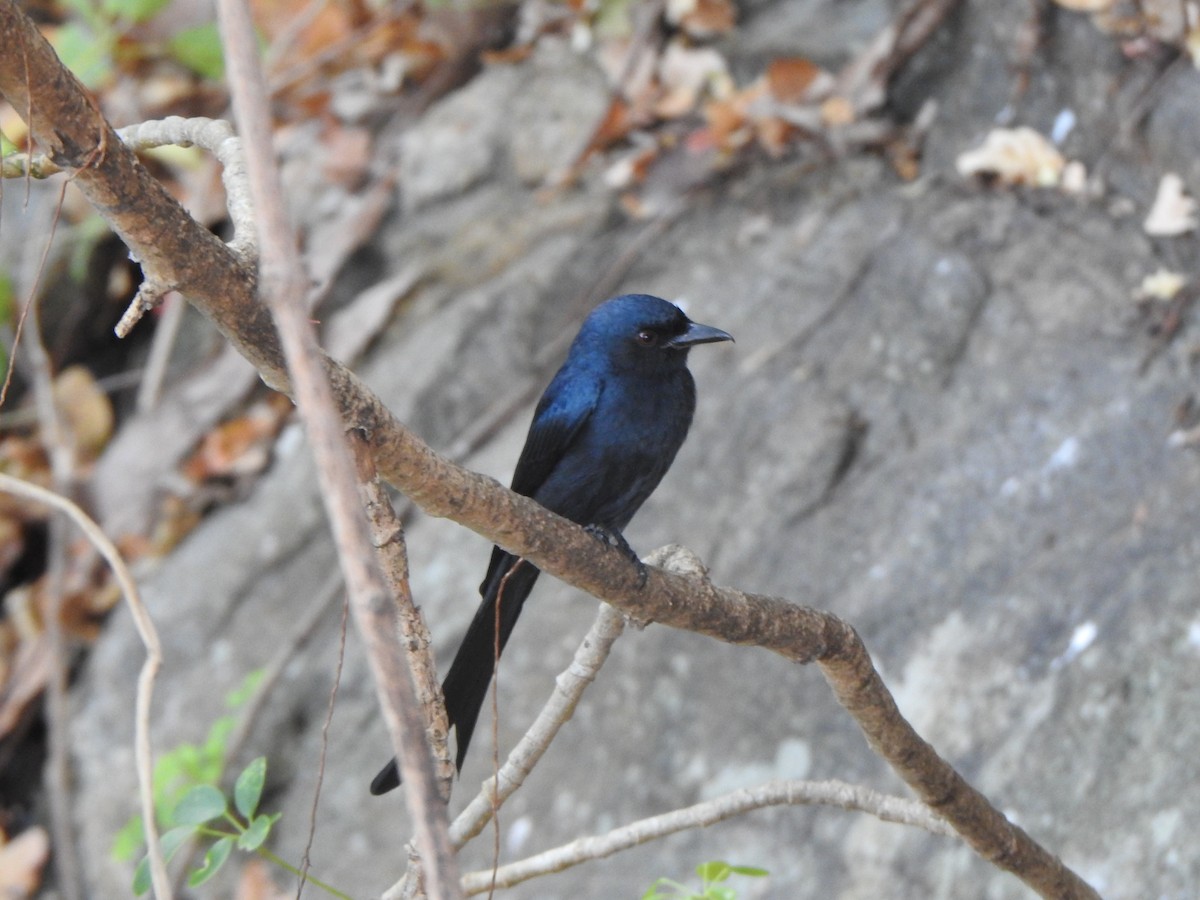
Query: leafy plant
199	813
98	37
713	876
187	766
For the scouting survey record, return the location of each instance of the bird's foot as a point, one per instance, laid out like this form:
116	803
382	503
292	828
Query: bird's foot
612	538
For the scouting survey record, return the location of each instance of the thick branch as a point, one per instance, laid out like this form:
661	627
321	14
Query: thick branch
176	250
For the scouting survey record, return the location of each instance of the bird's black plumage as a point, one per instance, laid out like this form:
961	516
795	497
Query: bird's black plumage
603	435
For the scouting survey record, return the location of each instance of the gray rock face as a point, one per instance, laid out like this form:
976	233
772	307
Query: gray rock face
938	422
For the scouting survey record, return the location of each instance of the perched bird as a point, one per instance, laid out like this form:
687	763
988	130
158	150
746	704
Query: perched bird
603	435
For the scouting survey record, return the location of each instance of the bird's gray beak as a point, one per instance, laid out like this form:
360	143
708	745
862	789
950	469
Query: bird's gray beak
699	334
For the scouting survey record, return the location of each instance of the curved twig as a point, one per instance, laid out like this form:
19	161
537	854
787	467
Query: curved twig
149	637
701	815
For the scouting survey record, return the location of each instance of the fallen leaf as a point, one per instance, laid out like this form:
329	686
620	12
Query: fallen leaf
239	447
27	677
86	410
729	118
21	862
1014	156
797	80
631	168
837	111
1173	212
702	18
255	884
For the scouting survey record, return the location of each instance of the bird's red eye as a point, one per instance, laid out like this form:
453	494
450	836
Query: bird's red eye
647	338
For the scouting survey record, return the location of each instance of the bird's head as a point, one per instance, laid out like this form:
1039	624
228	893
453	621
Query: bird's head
643	333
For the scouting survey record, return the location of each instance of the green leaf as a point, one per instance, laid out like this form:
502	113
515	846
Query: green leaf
749	871
713	871
134	11
170	844
248	790
200	50
665	888
128	840
84	52
213	860
256	835
241	694
720	893
201	804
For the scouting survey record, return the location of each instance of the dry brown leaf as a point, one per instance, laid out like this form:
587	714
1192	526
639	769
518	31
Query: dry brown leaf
332	22
791	80
21	862
613	127
12	541
1014	156
837	111
702	18
27	677
86	410
729	119
631	168
1173	212
773	134
255	884
241	446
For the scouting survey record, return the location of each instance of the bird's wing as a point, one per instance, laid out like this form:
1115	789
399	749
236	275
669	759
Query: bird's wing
565	407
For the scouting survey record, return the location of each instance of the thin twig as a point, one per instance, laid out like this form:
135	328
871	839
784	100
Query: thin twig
282	284
700	815
149	637
305	861
161	346
387	536
591	654
59	445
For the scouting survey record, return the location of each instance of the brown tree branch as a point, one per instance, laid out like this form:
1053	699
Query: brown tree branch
179	252
283	286
387	537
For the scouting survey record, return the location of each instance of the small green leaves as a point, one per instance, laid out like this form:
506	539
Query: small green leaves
716	871
712	874
199	49
248	790
254	836
170	843
213	860
201	804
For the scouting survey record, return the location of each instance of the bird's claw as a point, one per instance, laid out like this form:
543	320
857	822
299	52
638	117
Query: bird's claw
613	538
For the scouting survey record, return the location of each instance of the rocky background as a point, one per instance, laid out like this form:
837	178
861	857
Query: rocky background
946	419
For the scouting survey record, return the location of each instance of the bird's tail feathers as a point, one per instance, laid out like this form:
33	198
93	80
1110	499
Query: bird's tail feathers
466	684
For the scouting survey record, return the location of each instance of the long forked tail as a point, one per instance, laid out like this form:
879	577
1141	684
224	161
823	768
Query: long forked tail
466	686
